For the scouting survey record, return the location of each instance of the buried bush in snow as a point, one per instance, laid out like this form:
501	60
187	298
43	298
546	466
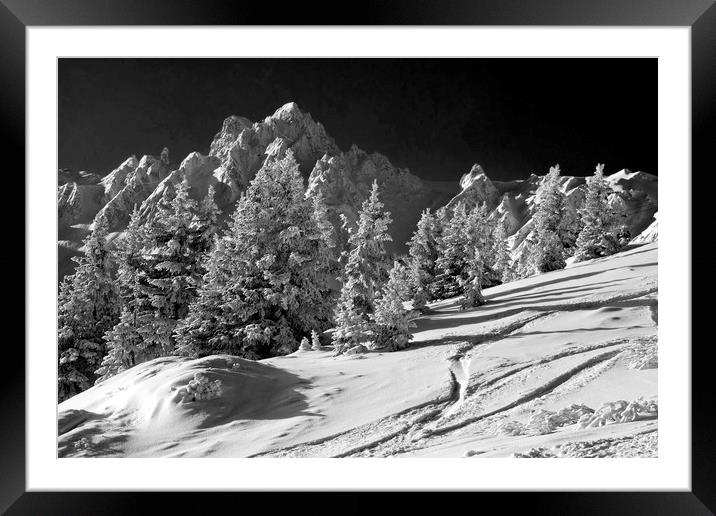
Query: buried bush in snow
199	389
535	453
620	412
546	421
511	428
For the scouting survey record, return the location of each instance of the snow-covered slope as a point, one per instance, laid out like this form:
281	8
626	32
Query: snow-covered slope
650	234
516	375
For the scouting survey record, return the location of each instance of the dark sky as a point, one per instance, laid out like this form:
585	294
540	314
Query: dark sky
434	116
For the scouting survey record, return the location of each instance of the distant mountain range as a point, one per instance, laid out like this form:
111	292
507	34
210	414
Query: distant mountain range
241	147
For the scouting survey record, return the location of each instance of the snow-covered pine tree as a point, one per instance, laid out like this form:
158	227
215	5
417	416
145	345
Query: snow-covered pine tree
304	345
453	257
88	306
263	286
479	243
160	269
125	341
328	232
365	272
423	250
392	321
480	231
175	258
129	342
315	341
472	287
524	265
367	262
599	234
501	252
548	251
569	229
206	220
351	323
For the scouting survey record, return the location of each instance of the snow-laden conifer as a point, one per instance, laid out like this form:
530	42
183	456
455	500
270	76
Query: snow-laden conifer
365	273
501	252
264	286
423	250
472	286
352	326
126	345
461	263
88	306
549	250
315	341
367	262
160	269
599	235
392	320
453	255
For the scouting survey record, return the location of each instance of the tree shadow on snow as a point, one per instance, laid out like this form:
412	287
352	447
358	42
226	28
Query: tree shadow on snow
264	392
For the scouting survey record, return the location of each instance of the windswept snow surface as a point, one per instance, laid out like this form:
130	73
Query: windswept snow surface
520	376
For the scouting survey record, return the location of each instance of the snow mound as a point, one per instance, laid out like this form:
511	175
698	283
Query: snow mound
162	401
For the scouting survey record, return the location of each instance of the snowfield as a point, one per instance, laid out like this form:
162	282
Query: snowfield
562	364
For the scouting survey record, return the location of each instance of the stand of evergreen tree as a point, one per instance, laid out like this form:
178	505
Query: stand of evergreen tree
161	268
88	306
265	284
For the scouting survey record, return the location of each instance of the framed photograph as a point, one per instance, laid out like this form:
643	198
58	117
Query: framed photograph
270	252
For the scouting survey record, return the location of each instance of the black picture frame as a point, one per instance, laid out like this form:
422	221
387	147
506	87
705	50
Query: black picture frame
17	15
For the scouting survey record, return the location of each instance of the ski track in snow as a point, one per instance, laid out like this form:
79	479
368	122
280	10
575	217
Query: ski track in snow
530	347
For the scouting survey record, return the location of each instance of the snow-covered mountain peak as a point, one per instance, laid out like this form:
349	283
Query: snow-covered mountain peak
476	174
288	111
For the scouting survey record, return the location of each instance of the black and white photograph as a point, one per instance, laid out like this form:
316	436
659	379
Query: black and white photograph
357	257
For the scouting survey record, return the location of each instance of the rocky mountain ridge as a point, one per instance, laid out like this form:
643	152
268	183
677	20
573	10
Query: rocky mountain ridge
241	147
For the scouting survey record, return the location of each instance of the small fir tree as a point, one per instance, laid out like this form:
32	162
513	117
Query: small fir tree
351	325
315	341
392	321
